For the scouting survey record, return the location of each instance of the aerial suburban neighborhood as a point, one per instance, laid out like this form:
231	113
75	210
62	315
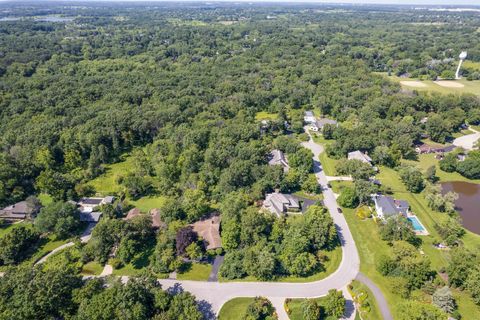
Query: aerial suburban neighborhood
239	160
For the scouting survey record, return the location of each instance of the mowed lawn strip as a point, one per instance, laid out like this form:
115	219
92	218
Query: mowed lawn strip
234	309
196	271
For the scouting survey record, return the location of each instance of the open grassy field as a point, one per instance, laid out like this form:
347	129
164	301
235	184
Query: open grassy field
7	228
106	183
196	271
147	203
295	310
263	115
234	309
430	86
427	160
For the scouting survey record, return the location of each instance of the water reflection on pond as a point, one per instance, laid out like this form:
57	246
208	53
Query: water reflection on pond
468	203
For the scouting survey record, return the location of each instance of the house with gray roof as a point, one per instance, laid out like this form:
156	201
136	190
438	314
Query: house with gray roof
19	211
277	158
279	203
319	124
358	155
386	206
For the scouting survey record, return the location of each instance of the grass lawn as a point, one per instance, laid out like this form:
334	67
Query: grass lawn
430	86
92	268
359	289
7	228
330	266
138	264
337	186
196	271
264	115
145	204
106	184
295	310
428	217
234	309
467	308
309	196
427	160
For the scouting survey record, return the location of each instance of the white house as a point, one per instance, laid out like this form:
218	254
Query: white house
88	205
309	117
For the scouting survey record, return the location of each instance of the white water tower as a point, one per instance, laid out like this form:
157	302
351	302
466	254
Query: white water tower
462	56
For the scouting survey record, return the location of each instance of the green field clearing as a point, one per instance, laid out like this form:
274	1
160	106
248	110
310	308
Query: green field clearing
295	310
7	228
430	86
427	160
106	184
147	203
264	115
196	271
234	309
334	258
92	268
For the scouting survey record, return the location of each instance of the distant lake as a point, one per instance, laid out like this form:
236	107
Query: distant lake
55	19
468	203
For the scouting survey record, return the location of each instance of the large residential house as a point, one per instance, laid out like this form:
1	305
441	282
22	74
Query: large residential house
309	117
87	208
279	203
386	206
319	124
277	158
358	155
209	231
19	211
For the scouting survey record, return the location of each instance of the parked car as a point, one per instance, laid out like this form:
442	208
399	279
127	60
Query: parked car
339	210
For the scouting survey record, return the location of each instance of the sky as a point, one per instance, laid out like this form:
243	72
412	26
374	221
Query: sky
417	2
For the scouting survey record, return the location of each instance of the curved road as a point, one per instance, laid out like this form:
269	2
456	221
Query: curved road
216	294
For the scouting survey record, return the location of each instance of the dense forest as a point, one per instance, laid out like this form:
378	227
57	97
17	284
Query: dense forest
78	94
177	93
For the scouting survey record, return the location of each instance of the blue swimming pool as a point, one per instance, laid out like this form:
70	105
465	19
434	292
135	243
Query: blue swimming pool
417	226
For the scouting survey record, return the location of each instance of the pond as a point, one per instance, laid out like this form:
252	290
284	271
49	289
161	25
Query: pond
468	203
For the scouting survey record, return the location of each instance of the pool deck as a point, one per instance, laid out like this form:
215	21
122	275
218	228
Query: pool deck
423	232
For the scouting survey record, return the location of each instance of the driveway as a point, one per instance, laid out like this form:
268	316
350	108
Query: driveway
467	142
85	237
215	294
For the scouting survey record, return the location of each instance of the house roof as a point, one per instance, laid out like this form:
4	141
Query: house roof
321	122
358	155
156	220
18	210
90	201
277	157
135	212
386	203
108	199
90	216
209	230
309	113
278	202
